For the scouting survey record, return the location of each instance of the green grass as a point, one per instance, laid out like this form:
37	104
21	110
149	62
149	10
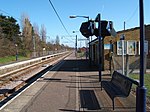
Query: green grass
9	59
146	81
81	54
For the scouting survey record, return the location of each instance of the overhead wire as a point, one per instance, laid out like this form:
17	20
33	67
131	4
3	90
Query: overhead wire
7	21
58	17
60	20
56	14
8	14
132	15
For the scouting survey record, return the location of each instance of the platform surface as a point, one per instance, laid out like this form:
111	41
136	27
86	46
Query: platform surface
70	86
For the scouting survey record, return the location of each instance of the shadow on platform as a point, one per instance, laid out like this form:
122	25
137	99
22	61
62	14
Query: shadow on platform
80	65
88	100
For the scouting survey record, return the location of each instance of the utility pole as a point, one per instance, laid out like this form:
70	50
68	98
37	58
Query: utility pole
33	41
122	44
76	46
98	19
34	46
75	16
141	90
16	46
16	51
124	25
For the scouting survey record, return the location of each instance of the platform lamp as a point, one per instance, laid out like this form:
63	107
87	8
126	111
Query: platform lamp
75	43
141	90
76	16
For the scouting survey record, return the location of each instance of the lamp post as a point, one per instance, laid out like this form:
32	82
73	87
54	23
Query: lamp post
16	52
75	44
75	16
72	41
16	47
141	90
98	19
48	41
34	49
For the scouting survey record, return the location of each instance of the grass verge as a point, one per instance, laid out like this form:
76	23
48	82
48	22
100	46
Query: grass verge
10	59
146	80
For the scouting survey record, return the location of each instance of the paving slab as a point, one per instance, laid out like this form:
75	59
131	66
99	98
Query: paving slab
71	86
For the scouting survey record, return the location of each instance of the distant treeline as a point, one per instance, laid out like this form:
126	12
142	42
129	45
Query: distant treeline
24	39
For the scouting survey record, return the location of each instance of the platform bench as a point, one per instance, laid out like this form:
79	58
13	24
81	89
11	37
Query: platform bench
118	86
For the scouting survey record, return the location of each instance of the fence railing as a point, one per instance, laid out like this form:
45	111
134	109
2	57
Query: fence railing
44	53
131	64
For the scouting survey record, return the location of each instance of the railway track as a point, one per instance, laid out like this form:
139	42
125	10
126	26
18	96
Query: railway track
15	80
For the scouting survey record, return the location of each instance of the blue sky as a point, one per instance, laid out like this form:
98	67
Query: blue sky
41	12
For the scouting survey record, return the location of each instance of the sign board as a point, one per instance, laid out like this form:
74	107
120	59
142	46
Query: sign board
131	47
119	47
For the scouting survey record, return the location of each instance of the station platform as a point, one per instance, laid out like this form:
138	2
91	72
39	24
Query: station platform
69	86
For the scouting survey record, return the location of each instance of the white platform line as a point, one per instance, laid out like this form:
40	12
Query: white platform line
77	92
58	65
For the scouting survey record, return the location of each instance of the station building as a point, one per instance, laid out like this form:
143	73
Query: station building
112	50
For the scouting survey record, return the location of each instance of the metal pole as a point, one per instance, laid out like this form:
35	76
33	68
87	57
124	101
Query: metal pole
88	37
100	46
110	56
16	52
122	56
124	25
34	55
16	49
122	45
76	46
90	52
141	90
87	41
142	39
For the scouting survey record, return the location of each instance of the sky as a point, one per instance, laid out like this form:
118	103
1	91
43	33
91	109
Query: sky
40	12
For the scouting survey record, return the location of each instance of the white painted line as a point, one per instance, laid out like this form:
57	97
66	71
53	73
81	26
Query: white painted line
57	65
77	92
16	96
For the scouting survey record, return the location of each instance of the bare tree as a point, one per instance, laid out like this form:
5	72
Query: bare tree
22	21
57	42
43	33
27	32
36	38
36	29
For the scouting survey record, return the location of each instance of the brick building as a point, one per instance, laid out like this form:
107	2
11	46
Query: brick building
132	48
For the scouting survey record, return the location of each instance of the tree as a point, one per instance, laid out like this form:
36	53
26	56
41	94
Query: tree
9	35
57	41
36	39
27	33
9	27
43	33
43	37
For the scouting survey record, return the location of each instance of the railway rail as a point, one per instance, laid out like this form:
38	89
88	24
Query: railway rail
16	79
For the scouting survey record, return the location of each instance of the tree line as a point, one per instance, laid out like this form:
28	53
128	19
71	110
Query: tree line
24	39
